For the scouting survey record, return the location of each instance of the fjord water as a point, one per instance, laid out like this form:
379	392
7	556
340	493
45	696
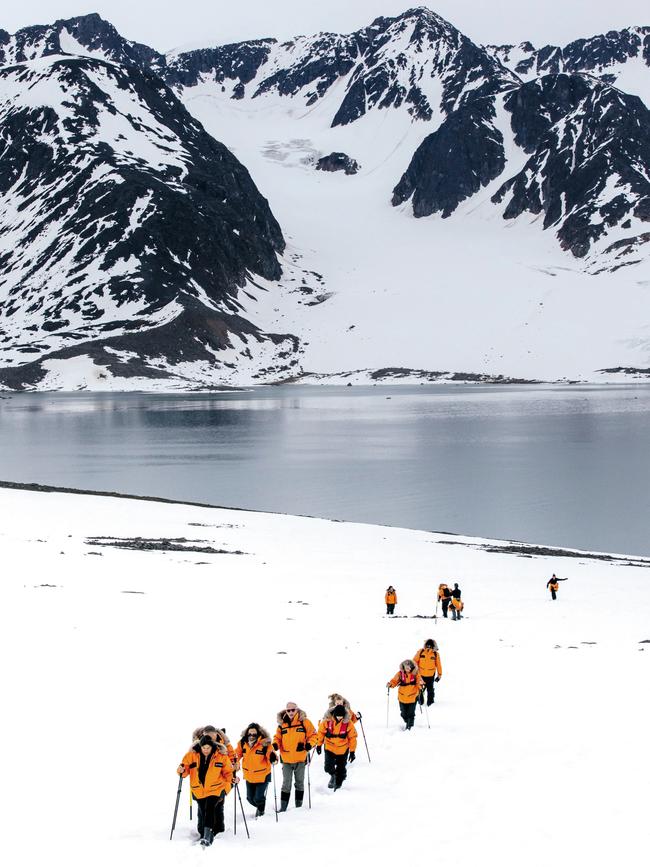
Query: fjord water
555	465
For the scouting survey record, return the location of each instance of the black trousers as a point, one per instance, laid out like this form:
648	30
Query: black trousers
336	765
430	690
445	607
553	596
407	712
390	608
256	793
210	813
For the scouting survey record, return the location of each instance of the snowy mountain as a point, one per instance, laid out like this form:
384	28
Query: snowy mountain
154	255
587	173
619	57
120	215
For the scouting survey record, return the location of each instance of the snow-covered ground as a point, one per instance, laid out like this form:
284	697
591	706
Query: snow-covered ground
537	751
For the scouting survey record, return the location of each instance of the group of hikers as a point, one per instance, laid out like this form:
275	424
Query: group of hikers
213	764
415	680
445	596
450	600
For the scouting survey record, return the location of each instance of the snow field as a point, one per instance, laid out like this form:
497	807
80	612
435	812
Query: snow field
537	748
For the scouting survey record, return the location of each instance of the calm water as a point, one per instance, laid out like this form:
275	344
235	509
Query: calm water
554	465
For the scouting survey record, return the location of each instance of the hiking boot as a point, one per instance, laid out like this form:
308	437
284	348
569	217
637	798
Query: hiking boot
208	837
330	785
299	797
284	802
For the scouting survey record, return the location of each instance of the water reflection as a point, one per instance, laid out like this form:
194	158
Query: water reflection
555	465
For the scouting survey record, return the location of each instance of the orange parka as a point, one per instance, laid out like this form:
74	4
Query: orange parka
255	760
441	587
218	778
292	733
428	662
391	598
457	603
337	735
409	682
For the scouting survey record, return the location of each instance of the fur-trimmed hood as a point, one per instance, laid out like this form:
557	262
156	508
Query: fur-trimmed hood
408	666
435	645
328	715
301	716
336	698
218	735
265	737
218	748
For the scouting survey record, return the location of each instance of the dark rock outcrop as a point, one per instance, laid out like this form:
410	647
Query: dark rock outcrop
338	162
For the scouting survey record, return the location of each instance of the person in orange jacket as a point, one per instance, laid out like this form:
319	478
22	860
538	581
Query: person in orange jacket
444	596
553	585
337	731
294	737
210	772
429	665
410	683
256	754
391	599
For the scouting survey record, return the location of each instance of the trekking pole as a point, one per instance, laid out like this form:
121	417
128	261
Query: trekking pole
178	797
435	616
364	735
427	715
241	807
387	705
234	800
190	803
308	779
275	794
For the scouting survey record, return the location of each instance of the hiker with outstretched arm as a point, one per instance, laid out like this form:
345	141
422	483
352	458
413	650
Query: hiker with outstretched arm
553	584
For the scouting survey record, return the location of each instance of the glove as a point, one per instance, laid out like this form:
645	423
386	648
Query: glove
359	714
300	748
319	749
437	679
275	746
273	758
352	757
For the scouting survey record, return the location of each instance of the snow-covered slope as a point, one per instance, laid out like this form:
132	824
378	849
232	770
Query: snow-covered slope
430	125
117	654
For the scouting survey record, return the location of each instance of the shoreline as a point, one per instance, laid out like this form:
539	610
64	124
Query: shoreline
497	546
